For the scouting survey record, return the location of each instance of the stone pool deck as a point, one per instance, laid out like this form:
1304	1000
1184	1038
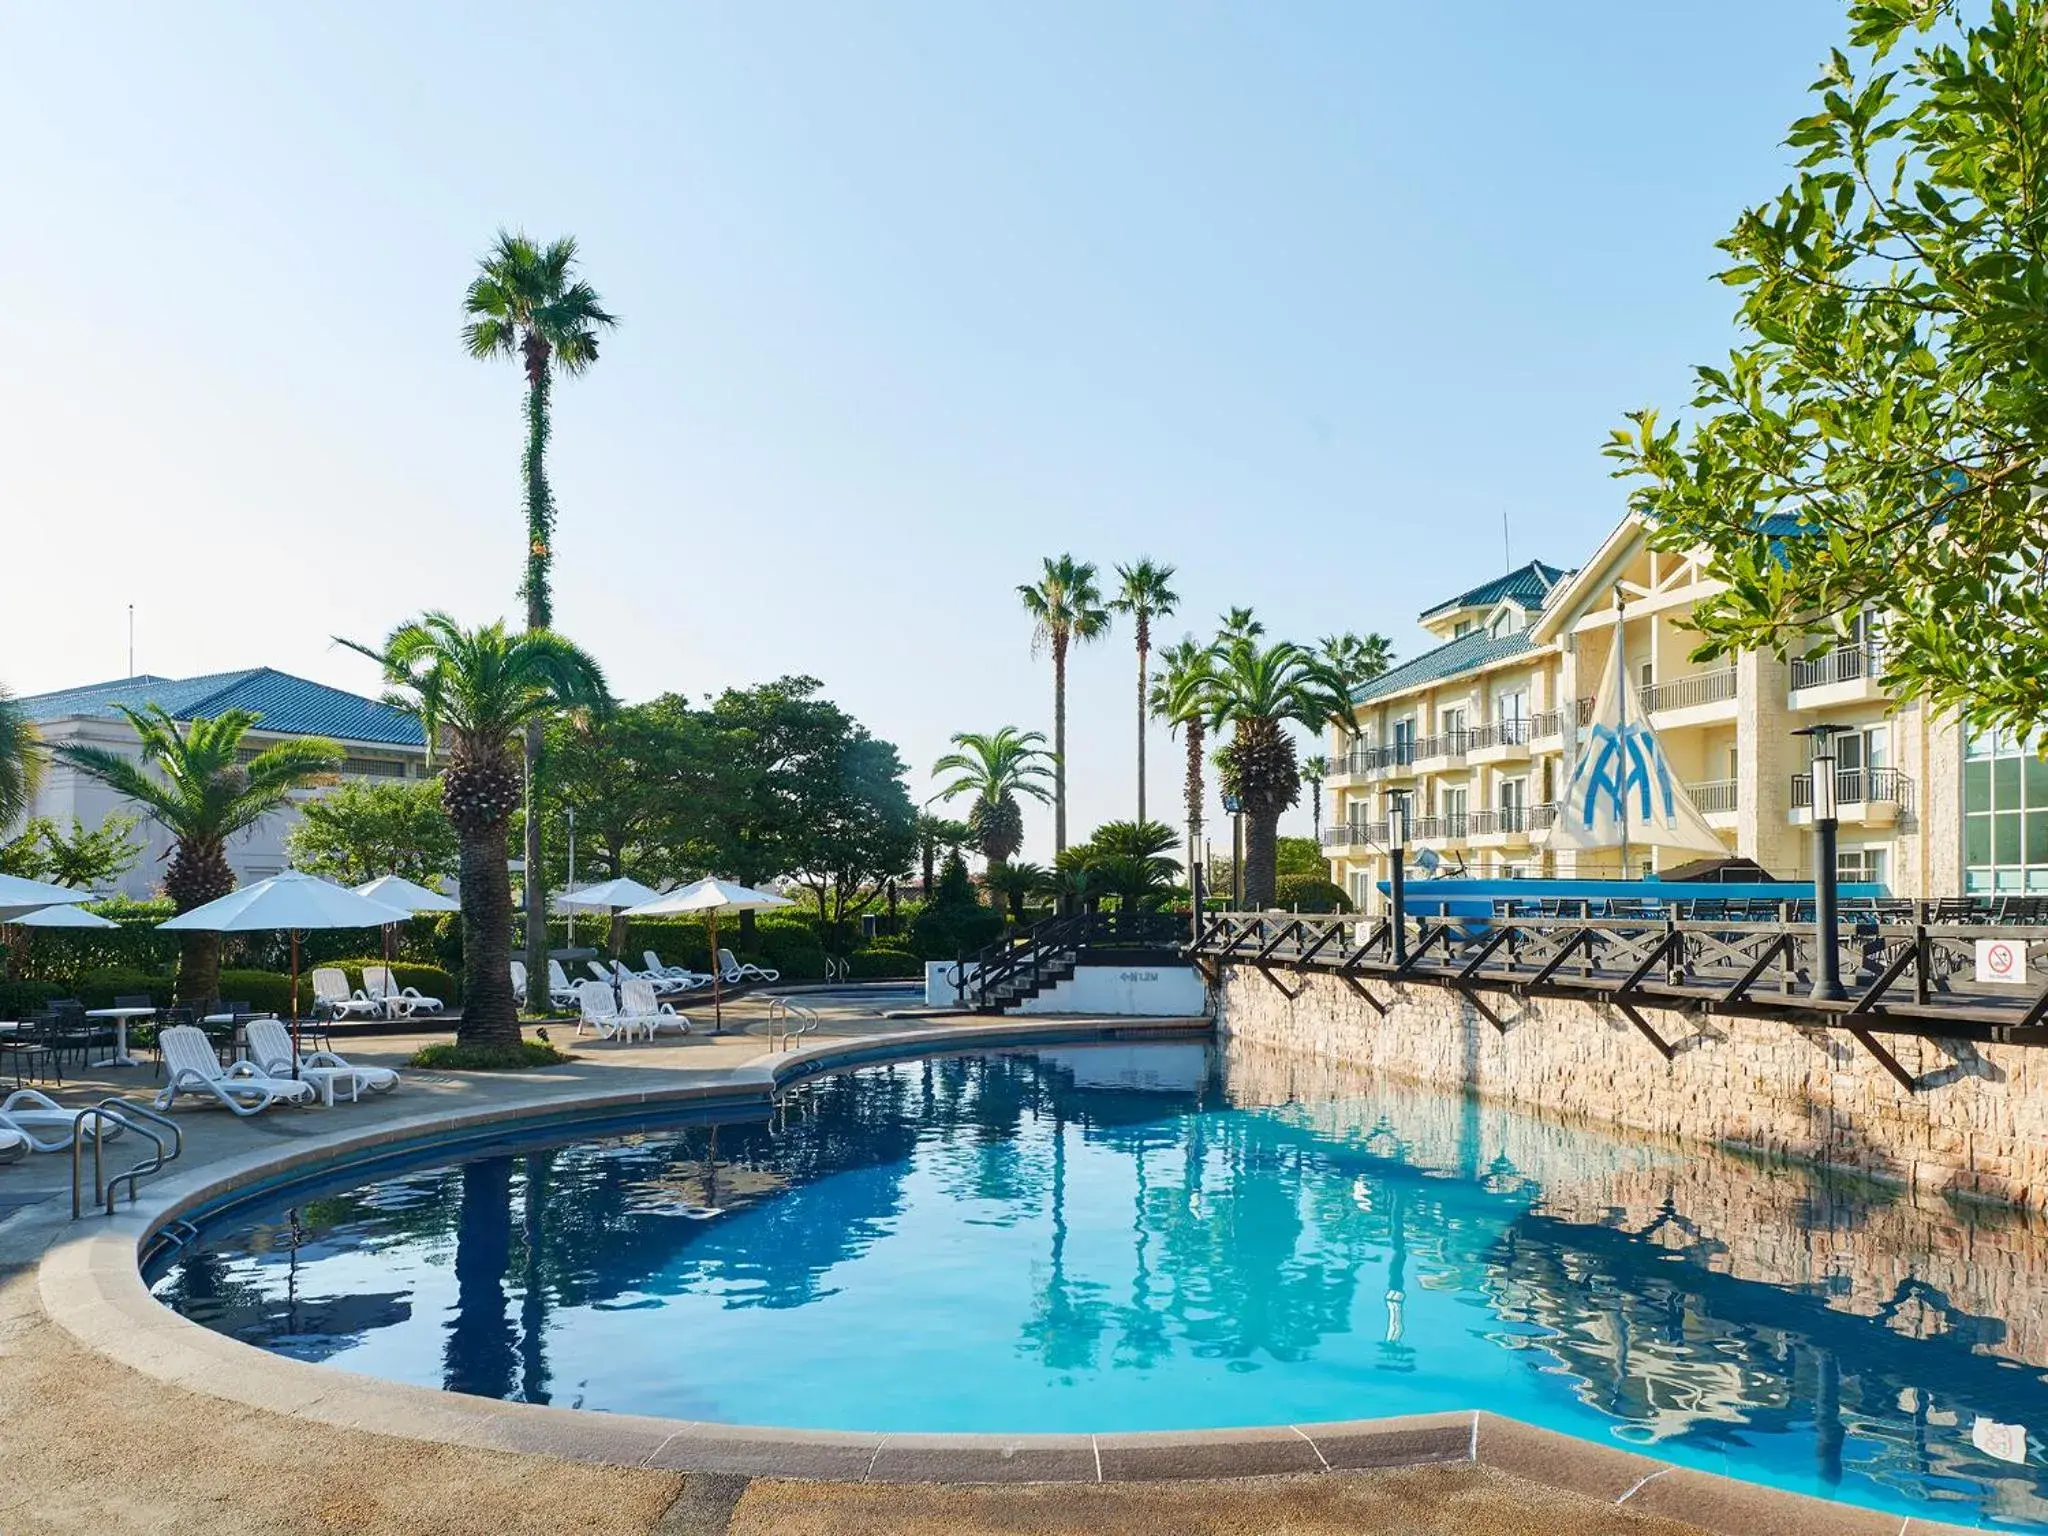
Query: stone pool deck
116	1415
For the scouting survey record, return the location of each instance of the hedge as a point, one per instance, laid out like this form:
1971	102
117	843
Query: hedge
784	943
883	964
267	991
19	999
1309	893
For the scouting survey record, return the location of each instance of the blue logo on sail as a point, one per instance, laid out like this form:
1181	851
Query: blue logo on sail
1620	761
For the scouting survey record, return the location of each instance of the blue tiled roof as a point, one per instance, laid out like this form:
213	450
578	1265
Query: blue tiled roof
1464	654
1528	586
287	705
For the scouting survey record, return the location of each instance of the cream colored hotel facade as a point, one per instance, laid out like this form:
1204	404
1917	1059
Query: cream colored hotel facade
1479	730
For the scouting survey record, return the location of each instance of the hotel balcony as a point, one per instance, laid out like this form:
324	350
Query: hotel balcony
1510	826
1704	698
1451	831
1546	727
1847	674
1871	797
1715	799
1390	762
1442	752
1504	741
1354	837
1348	768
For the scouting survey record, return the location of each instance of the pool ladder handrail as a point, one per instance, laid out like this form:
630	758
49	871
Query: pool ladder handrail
789	1021
129	1116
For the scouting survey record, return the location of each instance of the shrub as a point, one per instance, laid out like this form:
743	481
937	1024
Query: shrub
783	941
267	991
19	999
946	933
1309	893
430	979
447	1056
882	963
98	989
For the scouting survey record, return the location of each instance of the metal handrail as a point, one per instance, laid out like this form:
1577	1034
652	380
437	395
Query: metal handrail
1713	687
129	1116
1713	795
1857	786
1842	664
780	1011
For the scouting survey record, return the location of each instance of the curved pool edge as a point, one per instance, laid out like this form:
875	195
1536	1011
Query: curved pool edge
91	1285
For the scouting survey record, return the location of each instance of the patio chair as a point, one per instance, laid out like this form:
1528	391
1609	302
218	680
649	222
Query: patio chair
381	984
561	990
690	979
28	1047
195	1070
519	982
734	969
637	1001
270	1050
332	997
46	1125
600	1012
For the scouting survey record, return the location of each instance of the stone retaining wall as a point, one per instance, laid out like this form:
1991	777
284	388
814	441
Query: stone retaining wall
1977	1126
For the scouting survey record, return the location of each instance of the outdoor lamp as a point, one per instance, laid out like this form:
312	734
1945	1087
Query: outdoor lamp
1827	966
1234	805
1397	847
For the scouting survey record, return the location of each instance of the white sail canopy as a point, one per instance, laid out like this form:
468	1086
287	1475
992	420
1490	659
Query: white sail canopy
1622	793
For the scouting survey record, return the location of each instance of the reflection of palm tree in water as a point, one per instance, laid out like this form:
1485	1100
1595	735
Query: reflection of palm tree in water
479	1357
533	1280
1395	1355
1064	1328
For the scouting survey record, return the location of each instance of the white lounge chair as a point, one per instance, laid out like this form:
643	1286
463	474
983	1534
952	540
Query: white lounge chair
561	990
43	1124
600	1011
14	1146
682	973
519	981
731	968
637	1001
618	973
331	995
381	984
270	1051
194	1069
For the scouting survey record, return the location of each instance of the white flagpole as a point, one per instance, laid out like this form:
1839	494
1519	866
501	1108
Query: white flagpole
1621	713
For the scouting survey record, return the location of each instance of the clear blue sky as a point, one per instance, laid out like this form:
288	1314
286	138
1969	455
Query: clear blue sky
1299	297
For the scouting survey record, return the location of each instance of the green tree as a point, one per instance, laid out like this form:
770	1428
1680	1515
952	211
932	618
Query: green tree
89	857
1875	441
996	768
1065	606
1299	856
1346	663
475	692
193	785
938	835
1144	592
526	300
1315	769
1128	859
1256	691
360	831
860	829
1180	697
1015	881
21	762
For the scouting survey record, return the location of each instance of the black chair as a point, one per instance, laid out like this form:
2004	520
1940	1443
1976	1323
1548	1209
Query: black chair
27	1047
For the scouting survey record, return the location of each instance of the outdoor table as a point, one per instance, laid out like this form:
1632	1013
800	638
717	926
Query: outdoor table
120	1016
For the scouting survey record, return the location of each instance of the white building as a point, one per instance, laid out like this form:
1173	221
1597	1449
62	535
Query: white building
379	743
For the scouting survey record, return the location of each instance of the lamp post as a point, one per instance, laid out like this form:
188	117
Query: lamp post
1234	805
1827	961
1397	851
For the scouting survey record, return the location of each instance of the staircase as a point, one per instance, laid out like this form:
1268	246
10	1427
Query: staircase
1021	966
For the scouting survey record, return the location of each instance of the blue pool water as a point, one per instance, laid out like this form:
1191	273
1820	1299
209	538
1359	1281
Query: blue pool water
1159	1237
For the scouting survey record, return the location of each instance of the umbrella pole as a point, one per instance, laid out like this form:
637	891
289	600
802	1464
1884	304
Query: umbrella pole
295	1003
717	975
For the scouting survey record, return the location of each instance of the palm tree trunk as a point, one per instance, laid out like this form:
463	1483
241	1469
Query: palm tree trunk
540	535
199	968
489	1015
1144	645
1261	858
1059	743
1194	794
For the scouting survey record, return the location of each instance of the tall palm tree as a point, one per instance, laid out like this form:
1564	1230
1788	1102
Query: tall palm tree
1180	697
996	769
21	763
526	299
1240	623
475	692
202	794
1065	605
1347	662
1143	592
1256	691
1315	769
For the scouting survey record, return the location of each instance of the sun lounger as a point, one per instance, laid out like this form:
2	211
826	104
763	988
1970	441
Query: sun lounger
270	1051
600	1012
195	1070
733	969
398	1002
331	995
43	1123
637	1001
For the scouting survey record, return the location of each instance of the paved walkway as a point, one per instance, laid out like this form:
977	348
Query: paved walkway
90	1444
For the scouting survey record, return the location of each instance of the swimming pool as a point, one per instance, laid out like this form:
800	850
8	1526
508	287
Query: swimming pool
1162	1236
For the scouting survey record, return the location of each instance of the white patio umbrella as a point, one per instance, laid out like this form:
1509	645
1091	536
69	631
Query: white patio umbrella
18	896
406	896
710	897
290	902
611	898
62	917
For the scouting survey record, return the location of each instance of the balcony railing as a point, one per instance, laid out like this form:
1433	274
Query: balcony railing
1844	664
1550	722
1858	786
1512	818
1501	733
1713	687
1397	754
1444	744
1440	829
1713	795
1355	834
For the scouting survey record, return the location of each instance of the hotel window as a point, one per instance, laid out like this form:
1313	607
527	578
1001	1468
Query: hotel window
1514	805
1511	708
2005	815
1860	866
